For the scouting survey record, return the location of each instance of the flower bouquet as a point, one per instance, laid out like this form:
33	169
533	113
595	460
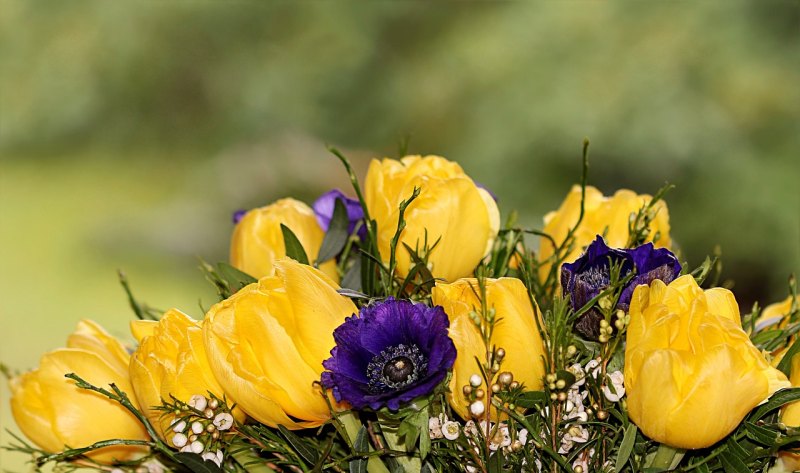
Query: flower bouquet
407	330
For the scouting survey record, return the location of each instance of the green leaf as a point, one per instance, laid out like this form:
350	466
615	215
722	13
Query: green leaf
424	437
352	278
786	362
236	278
294	249
196	464
531	399
337	235
759	434
427	468
360	445
309	454
495	464
784	396
703	468
732	464
626	447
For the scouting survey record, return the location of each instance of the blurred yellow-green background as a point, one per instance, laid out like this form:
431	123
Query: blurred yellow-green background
129	133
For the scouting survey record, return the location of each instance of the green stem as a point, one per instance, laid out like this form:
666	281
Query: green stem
249	460
351	426
667	457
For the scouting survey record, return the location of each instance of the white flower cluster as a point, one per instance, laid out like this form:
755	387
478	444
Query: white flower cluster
198	434
576	413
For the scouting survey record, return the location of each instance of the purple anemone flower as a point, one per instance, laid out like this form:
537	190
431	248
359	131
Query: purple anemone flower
390	353
324	205
589	275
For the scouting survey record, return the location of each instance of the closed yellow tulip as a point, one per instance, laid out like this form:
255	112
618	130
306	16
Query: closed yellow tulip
450	208
54	413
257	239
607	216
267	342
687	358
171	360
515	331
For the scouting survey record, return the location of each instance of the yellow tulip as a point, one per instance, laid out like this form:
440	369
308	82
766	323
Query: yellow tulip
607	216
450	209
257	239
171	360
54	413
515	331
687	358
775	315
266	344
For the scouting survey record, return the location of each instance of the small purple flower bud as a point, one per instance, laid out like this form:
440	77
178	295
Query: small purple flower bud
238	215
324	205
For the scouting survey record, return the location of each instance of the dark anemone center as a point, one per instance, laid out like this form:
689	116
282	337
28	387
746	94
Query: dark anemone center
595	277
396	367
399	369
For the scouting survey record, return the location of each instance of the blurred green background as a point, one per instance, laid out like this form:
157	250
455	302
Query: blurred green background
128	134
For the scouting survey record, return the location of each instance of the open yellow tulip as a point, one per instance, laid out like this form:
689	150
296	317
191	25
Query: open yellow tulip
450	209
170	361
606	216
257	239
515	332
266	344
54	413
687	358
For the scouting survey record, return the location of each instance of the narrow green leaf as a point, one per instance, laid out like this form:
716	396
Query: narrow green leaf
360	445
703	468
337	235
531	399
759	434
196	464
236	278
424	437
496	462
302	448
732	464
786	362
626	447
736	449
352	278
784	396
294	249
427	468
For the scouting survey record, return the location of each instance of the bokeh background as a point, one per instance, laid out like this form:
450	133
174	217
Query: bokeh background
128	134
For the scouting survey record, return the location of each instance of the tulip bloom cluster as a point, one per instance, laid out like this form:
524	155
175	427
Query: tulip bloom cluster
404	330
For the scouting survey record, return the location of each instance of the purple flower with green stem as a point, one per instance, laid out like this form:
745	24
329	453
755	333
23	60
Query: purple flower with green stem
590	275
324	205
393	351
